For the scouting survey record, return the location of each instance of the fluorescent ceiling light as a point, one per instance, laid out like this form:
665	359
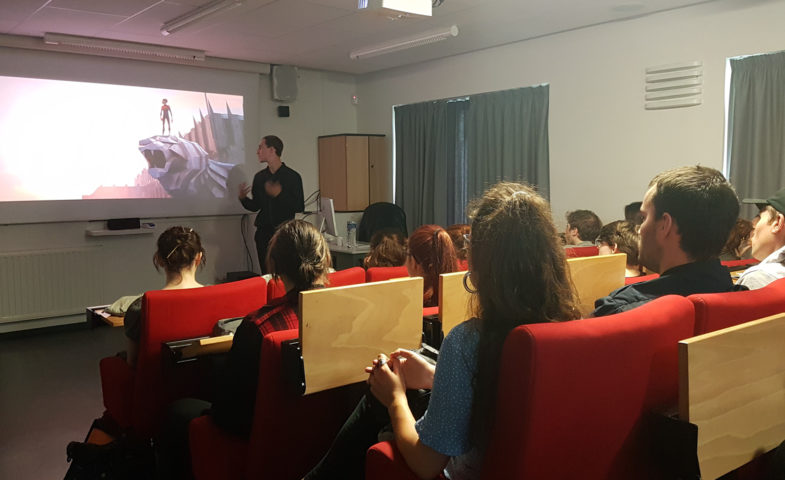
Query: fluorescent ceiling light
197	14
116	48
404	43
413	7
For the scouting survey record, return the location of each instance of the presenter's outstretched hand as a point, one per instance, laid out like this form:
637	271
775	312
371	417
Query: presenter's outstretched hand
242	190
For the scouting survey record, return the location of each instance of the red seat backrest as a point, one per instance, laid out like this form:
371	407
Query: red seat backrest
463	265
275	289
349	276
572	395
379	274
715	311
178	314
642	278
291	432
740	263
587	251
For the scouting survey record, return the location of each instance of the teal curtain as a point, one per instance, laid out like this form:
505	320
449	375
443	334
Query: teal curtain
448	152
507	139
428	151
756	126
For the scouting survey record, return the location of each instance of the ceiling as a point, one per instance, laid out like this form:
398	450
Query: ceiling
317	34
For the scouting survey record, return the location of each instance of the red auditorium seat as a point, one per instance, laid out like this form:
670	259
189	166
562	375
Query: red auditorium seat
572	397
340	278
715	311
136	397
588	251
379	274
642	278
290	432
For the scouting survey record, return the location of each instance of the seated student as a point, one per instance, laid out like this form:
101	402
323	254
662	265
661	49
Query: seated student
632	213
768	243
431	253
299	256
688	213
458	233
179	253
583	226
520	272
738	245
621	237
388	249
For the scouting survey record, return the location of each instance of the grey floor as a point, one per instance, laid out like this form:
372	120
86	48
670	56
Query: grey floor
50	391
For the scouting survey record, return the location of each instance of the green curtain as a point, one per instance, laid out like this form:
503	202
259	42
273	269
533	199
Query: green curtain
507	139
428	147
756	126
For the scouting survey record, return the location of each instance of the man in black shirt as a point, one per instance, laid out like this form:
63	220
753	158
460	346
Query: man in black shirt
688	213
277	193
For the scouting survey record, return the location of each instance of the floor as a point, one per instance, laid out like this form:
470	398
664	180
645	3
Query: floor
50	392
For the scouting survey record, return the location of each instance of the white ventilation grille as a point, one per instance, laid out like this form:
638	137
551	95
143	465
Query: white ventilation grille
50	283
674	86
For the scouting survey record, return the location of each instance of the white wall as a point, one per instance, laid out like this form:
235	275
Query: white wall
604	147
323	107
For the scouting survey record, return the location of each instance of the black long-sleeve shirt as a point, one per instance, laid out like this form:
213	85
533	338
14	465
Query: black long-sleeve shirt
273	211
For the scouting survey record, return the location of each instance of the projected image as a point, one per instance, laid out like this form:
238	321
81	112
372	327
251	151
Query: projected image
72	140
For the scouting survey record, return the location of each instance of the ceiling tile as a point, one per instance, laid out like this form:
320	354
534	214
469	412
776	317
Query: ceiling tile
72	22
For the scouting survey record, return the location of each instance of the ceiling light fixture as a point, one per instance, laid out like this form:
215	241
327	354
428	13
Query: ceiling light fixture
405	43
197	14
106	47
392	7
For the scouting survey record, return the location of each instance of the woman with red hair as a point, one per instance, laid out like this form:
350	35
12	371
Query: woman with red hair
431	253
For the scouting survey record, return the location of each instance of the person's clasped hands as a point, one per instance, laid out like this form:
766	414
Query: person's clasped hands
389	378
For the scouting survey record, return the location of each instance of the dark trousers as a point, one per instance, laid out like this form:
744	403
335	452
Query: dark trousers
346	457
173	459
262	238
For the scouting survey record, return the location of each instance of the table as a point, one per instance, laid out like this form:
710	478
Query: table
347	257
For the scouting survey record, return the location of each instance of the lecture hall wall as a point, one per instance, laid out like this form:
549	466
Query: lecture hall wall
604	146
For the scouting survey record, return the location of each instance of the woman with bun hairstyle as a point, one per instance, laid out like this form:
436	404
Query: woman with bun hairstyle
431	253
179	254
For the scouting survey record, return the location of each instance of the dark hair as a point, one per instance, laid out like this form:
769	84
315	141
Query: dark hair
632	213
587	223
177	249
275	142
625	236
432	249
703	205
456	233
298	252
739	234
388	249
520	272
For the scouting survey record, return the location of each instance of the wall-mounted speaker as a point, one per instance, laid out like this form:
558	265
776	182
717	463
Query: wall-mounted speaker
284	79
283	111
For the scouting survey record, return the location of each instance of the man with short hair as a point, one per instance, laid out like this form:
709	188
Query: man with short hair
688	213
277	193
768	242
583	226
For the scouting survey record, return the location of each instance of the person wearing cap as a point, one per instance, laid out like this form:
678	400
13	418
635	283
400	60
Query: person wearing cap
768	242
687	213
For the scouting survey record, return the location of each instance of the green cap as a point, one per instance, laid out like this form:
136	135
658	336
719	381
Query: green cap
777	201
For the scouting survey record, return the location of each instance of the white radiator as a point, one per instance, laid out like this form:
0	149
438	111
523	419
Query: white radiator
50	283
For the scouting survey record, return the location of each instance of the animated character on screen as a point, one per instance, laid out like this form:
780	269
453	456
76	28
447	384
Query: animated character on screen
166	117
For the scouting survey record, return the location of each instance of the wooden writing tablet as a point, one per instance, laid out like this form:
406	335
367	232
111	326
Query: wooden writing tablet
343	329
595	277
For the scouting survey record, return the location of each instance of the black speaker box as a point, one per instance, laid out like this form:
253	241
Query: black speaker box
283	111
122	223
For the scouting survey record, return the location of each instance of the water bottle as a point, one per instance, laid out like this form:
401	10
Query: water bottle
351	234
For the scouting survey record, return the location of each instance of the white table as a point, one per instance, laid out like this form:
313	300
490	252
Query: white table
347	257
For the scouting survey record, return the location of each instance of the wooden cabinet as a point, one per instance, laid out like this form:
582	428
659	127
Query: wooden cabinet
353	170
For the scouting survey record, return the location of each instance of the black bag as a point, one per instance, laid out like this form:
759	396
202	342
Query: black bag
122	459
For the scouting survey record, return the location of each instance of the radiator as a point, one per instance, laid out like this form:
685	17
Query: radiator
49	283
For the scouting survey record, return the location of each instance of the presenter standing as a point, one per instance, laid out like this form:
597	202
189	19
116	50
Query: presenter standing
277	193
